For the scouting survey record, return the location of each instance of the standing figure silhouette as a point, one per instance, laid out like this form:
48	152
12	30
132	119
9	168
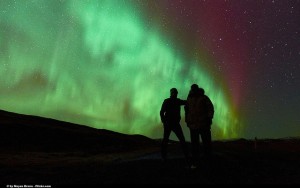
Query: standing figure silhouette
170	117
199	112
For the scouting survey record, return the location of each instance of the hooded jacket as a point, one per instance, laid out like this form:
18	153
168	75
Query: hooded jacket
199	111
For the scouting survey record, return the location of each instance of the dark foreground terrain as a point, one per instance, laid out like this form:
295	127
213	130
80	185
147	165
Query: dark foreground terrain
39	151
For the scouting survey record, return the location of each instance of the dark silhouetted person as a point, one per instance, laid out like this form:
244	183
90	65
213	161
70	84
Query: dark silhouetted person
199	112
170	117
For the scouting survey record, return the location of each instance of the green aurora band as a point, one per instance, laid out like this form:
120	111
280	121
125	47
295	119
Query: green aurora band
99	64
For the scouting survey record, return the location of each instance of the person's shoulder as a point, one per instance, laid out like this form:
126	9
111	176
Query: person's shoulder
206	97
167	99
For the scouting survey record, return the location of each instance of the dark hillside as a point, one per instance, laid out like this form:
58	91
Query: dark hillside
36	150
31	133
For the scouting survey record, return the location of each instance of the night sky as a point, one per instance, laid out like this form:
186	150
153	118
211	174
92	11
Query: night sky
109	64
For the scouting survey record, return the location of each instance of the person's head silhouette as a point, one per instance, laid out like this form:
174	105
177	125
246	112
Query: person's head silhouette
173	93
194	90
194	87
201	91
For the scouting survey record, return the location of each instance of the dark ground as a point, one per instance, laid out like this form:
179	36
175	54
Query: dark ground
48	152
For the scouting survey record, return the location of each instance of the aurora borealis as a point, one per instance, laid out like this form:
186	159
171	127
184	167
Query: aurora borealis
109	64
